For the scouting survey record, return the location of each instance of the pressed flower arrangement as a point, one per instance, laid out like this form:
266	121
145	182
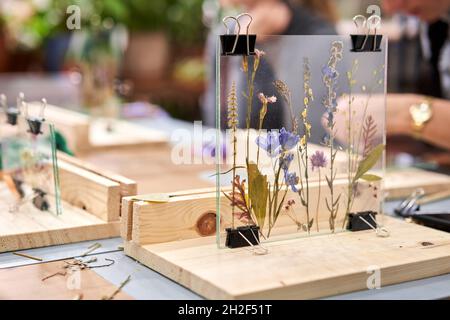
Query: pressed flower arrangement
321	160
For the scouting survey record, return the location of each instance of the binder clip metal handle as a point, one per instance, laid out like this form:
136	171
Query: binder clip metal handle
248	28
12	113
238	25
360	41
238	44
360	22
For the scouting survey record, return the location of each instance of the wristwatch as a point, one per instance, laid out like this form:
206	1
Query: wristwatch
420	114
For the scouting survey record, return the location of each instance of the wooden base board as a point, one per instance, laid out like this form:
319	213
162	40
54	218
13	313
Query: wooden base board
31	228
302	268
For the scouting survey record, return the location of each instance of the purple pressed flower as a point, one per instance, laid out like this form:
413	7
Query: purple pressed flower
271	143
318	160
288	140
291	180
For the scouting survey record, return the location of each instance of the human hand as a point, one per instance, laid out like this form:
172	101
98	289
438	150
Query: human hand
396	118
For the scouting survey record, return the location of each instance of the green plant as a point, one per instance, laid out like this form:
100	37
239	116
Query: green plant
181	19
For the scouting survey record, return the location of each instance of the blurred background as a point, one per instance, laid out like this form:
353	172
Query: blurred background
139	50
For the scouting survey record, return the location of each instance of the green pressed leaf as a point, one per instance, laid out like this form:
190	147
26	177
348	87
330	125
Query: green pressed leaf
370	177
368	163
258	191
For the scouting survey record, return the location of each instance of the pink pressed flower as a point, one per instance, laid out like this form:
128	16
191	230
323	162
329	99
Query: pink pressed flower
262	97
266	100
259	53
272	99
318	160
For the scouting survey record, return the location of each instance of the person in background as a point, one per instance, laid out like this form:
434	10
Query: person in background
425	117
270	17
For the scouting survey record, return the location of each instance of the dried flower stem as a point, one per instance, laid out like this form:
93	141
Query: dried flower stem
366	132
350	138
318	202
232	123
250	94
274	206
262	115
330	103
309	97
285	93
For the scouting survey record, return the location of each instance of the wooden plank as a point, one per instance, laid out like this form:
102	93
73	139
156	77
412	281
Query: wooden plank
124	134
25	283
73	125
85	133
189	215
152	168
126	218
91	192
32	228
127	209
400	183
128	187
302	268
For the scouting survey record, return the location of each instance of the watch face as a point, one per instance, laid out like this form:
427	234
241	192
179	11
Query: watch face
421	112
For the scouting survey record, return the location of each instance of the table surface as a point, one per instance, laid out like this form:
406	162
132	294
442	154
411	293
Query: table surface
147	284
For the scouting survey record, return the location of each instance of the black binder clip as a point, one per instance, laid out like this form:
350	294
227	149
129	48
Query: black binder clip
40	200
237	44
355	223
12	113
365	221
242	237
245	236
366	42
35	122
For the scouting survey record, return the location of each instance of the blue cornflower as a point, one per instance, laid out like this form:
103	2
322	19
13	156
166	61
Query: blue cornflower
288	140
286	160
271	143
291	180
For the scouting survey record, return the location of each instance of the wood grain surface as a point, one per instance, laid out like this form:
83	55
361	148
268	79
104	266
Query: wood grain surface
301	268
26	283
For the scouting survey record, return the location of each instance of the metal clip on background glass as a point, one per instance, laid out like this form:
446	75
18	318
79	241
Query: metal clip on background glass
410	205
12	113
35	122
237	44
366	42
